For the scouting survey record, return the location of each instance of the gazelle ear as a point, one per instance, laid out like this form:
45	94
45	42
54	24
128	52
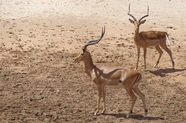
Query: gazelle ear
142	22
131	21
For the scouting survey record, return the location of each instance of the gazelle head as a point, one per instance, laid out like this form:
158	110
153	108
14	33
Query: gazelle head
84	54
140	21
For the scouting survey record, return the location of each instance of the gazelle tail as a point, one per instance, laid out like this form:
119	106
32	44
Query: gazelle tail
167	38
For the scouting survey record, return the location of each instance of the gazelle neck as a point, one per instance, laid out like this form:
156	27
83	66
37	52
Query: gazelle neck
136	36
89	66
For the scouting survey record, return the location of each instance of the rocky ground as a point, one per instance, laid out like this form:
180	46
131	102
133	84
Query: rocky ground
39	83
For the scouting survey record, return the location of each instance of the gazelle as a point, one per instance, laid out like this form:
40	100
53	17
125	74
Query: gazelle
146	39
111	76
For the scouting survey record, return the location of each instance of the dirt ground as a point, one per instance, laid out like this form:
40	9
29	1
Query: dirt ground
39	83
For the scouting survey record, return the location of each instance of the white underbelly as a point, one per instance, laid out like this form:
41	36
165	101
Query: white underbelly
119	85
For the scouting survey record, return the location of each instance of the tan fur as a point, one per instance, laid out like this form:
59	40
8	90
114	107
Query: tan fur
112	77
147	39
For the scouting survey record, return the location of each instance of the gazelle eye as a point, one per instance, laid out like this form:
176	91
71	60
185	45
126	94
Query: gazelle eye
82	54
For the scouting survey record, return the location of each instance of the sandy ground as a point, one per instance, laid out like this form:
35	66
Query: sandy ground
39	83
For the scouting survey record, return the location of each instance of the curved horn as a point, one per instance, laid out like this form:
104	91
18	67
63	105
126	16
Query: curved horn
145	15
94	41
130	14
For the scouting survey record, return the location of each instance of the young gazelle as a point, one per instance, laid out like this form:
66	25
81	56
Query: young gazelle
146	39
111	76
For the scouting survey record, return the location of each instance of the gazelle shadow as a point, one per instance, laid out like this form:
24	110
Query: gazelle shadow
163	72
134	116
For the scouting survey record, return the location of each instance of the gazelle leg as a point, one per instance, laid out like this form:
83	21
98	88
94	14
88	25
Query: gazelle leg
138	53
145	52
160	54
142	96
104	96
133	96
169	52
98	100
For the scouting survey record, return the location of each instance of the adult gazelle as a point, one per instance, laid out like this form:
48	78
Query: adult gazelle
147	39
111	76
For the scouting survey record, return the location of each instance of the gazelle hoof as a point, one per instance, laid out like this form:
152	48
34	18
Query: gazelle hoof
146	111
95	114
103	112
129	114
145	115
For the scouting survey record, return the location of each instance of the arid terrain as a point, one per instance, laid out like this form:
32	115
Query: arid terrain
40	83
